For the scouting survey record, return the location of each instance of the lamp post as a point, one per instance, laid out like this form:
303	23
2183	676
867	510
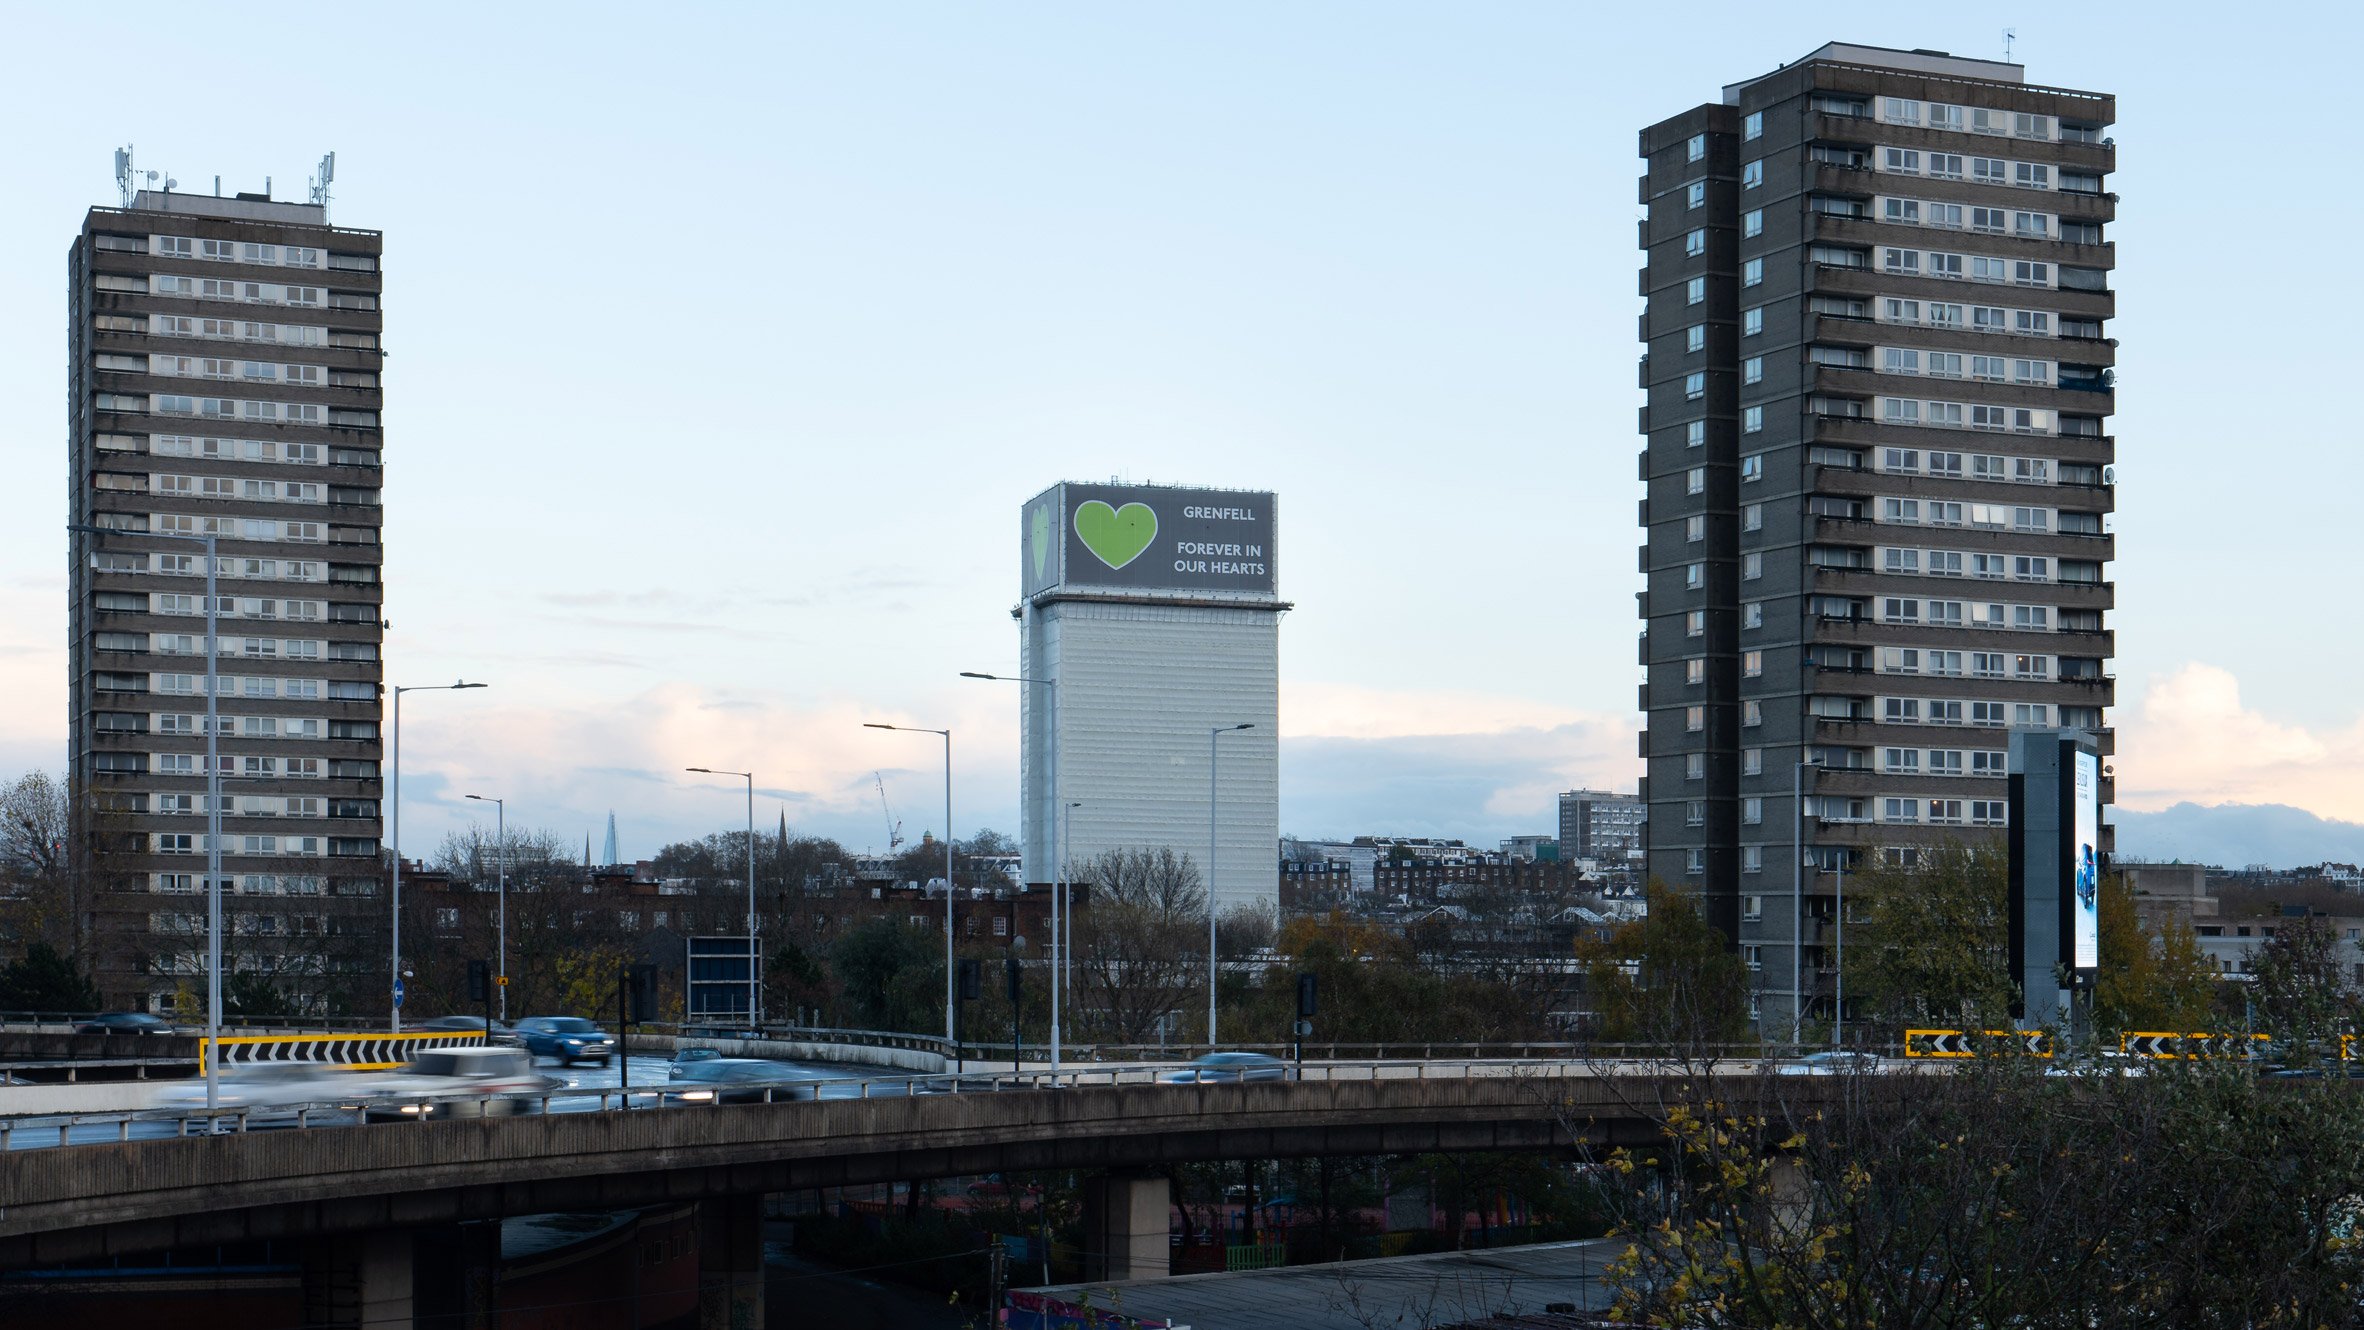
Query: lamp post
1838	1012
394	808
213	809
1067	901
754	988
1059	879
951	1034
1797	889
501	944
1214	732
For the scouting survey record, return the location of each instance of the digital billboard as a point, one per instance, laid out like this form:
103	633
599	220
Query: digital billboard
1148	538
2085	861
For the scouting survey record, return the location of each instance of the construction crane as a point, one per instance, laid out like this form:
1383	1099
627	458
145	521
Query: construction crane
894	828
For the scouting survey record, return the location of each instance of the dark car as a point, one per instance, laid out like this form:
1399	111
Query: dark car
682	1057
124	1022
1225	1068
570	1039
475	1025
736	1081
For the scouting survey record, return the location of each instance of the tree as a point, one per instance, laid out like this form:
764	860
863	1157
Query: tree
37	864
2148	983
2300	987
247	995
1140	945
1932	945
1668	979
46	981
890	976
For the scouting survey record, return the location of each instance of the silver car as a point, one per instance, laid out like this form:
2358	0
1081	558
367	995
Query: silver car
270	1091
459	1082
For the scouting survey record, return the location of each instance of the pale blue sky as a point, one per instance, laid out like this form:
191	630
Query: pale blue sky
724	345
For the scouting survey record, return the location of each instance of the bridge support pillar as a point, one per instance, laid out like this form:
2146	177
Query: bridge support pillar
459	1267
730	1263
1128	1222
356	1280
1790	1195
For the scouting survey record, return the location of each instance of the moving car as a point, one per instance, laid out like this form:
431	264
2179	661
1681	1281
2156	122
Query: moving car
682	1057
736	1081
125	1022
570	1039
1224	1068
475	1025
442	1083
1833	1063
272	1091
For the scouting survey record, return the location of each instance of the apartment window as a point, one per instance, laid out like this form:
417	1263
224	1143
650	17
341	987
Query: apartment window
1695	291
1694	862
1752	664
1695	480
1904	161
1695	623
1695	337
1752	517
1902	561
1752	370
1752	810
1901	710
1752	614
1904	211
1752	273
1752	175
1902	311
1694	576
1753	956
1753	126
1752	421
1696	148
2031	175
1752	223
1752	567
1752	322
1900	111
1900	360
1695	528
1695	766
1988	812
1752	467
1903	261
1752	714
1694	719
1695	243
1695	434
1945	166
1900	810
1695	196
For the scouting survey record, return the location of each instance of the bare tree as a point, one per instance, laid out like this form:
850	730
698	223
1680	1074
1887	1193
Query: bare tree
1140	946
36	865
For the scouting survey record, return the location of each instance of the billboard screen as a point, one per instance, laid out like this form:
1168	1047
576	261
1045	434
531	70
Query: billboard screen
1149	538
2085	862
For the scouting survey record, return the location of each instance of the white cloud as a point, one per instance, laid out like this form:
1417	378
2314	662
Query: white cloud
2191	739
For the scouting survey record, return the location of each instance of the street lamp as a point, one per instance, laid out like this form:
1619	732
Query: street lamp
501	945
1066	857
1214	732
951	1036
1059	881
213	807
1797	890
754	987
394	803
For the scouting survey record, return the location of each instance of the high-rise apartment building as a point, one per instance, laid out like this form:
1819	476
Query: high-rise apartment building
225	368
1878	472
1598	825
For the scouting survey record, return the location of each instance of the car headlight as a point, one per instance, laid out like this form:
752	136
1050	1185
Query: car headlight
414	1108
698	1094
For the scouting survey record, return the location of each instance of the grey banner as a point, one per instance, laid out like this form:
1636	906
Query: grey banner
1149	538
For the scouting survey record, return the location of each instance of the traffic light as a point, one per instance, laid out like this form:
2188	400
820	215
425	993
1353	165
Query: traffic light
1306	996
972	980
643	983
479	981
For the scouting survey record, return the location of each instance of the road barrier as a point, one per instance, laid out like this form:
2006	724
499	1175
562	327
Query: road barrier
361	1052
2201	1044
1971	1043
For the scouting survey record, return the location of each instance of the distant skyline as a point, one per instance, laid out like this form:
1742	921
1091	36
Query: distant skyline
722	353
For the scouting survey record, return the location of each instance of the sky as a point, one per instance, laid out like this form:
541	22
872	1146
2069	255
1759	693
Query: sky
724	344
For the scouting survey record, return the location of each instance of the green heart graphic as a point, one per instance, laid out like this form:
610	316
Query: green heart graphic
1117	535
1039	539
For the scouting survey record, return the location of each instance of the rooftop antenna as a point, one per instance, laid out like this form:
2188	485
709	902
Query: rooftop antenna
2008	35
124	173
320	183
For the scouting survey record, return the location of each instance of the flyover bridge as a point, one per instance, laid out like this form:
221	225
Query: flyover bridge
371	1200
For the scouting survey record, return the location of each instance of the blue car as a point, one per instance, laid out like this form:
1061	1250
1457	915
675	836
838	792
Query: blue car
570	1039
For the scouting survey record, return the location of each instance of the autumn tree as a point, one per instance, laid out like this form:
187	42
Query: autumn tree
2300	988
1667	979
2146	982
1932	945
